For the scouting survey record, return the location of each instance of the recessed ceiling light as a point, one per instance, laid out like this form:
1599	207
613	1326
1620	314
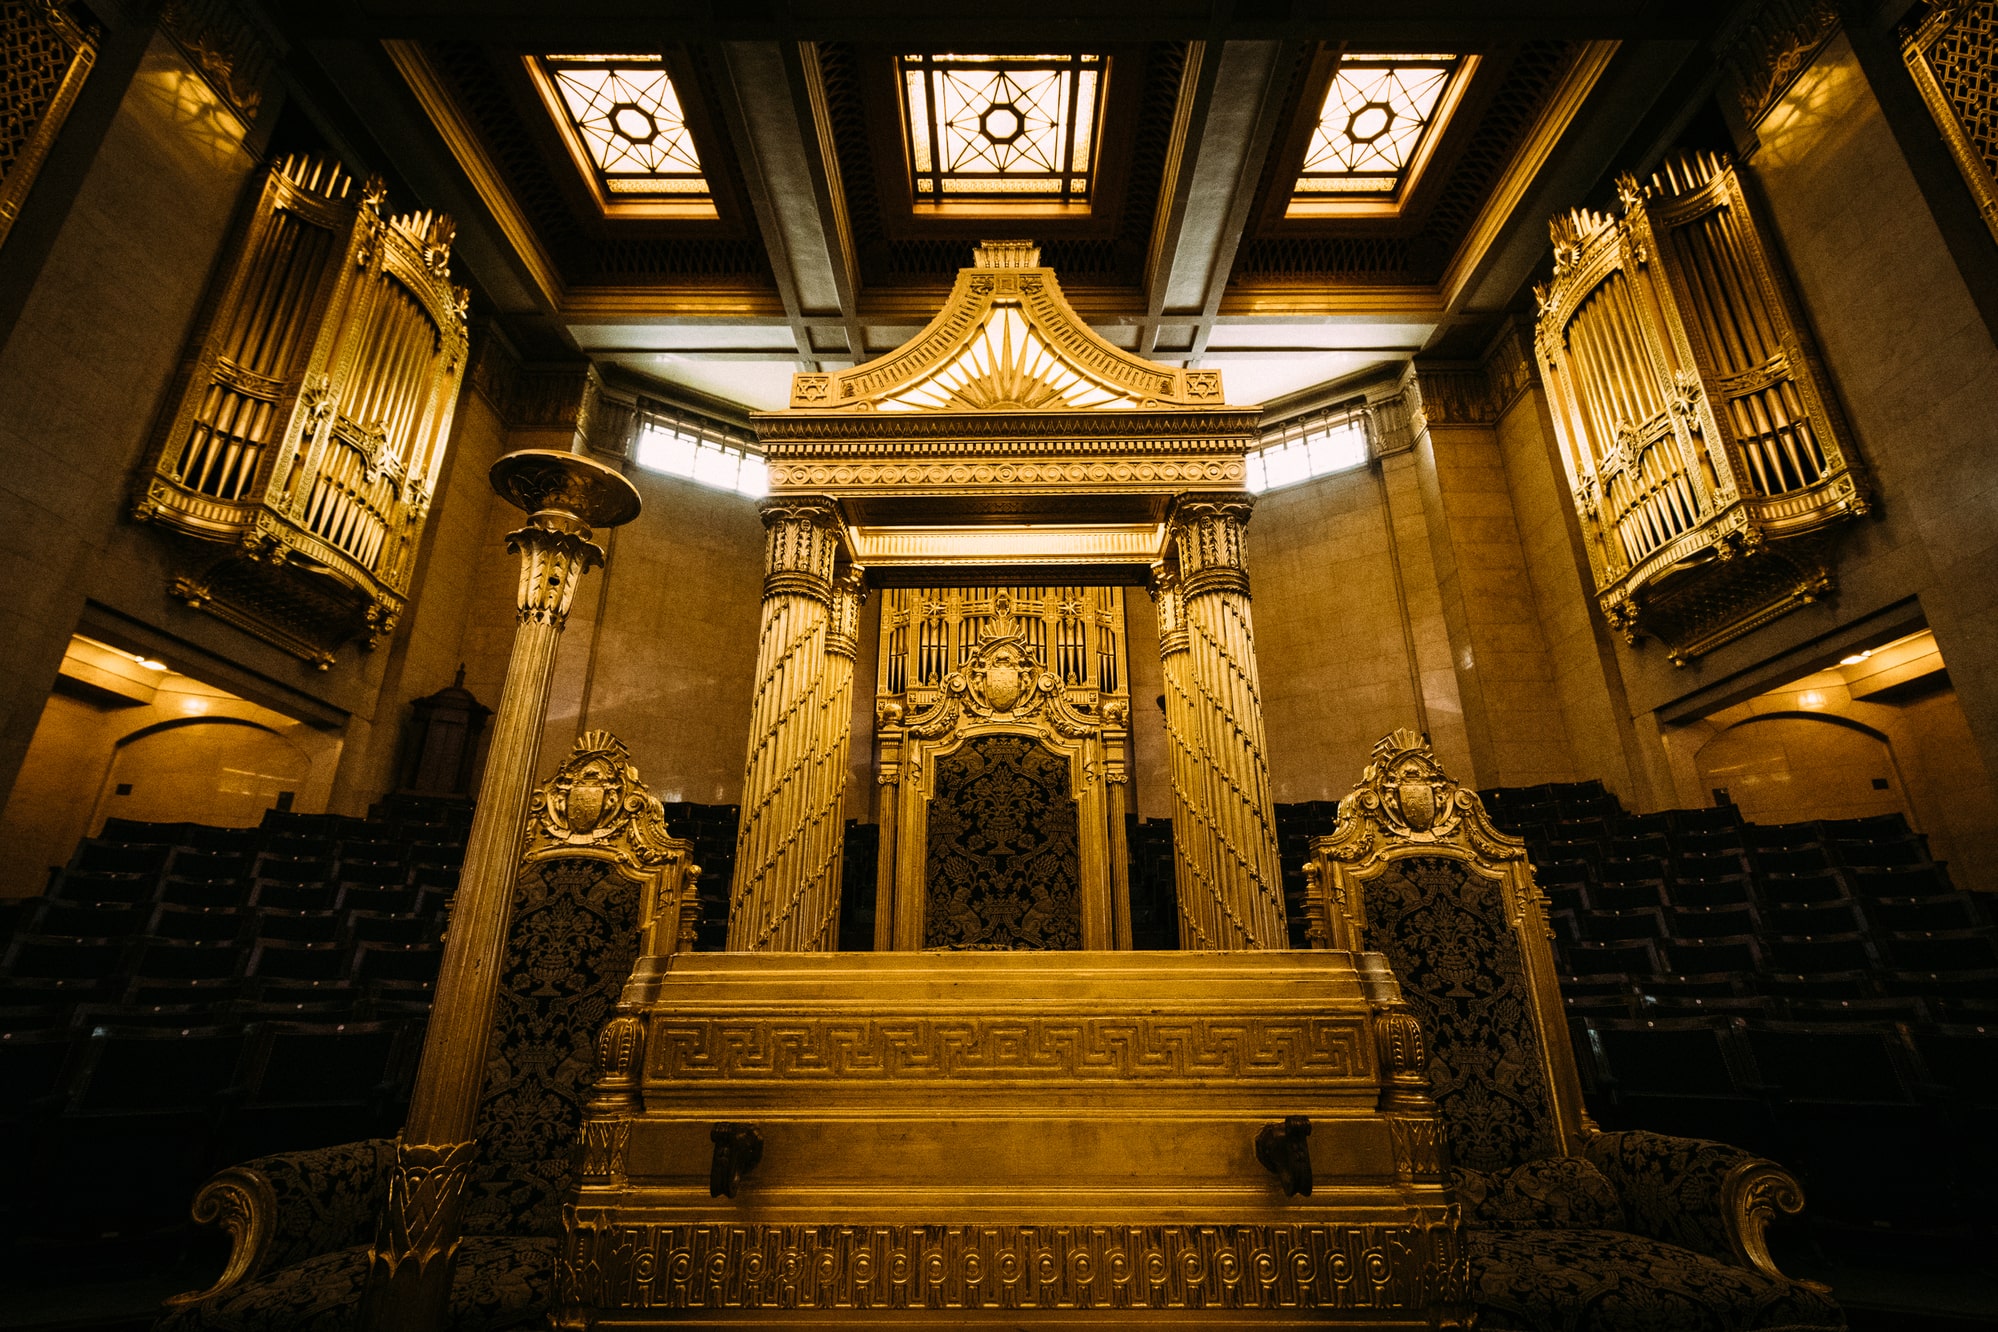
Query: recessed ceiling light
150	664
1855	658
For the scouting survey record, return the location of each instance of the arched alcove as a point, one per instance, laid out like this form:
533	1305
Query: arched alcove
1789	767
218	770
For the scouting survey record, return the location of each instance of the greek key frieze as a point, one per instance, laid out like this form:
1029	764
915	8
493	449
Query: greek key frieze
915	1268
1094	1049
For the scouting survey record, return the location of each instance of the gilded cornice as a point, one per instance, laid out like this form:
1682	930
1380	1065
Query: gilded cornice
1002	474
1228	429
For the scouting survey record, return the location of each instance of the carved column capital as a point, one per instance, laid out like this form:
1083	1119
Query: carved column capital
801	542
1169	598
1207	537
849	593
555	552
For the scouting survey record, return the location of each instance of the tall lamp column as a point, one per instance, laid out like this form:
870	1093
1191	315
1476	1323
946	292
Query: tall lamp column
565	496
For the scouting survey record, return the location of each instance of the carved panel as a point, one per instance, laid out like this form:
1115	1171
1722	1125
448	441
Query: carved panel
1003	863
918	1268
1769	45
311	418
221	42
1111	1049
1703	448
1951	49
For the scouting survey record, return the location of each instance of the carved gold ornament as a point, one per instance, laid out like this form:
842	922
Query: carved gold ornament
595	804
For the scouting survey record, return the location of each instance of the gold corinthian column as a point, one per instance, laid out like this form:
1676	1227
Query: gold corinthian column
787	856
409	1266
1229	880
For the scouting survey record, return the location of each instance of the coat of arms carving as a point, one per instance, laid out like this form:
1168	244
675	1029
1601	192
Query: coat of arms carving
1002	677
595	800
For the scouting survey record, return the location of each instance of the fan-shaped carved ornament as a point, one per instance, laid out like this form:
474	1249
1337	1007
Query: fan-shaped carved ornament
1405	796
1007	340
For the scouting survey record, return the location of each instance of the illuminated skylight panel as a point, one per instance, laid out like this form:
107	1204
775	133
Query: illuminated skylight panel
1378	113
627	115
662	448
1019	128
1321	448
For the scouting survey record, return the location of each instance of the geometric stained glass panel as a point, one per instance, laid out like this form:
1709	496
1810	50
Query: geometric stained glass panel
625	114
1380	114
1018	128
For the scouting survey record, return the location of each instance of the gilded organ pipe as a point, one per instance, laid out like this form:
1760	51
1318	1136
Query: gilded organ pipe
312	414
1706	457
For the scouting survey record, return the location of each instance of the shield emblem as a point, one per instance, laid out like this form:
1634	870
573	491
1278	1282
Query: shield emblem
1418	804
1003	682
585	806
1003	686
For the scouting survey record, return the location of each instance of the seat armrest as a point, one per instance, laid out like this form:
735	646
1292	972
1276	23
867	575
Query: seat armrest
279	1210
1705	1196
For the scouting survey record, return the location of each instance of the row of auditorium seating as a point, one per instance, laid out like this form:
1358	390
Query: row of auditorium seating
1794	988
185	996
113	1125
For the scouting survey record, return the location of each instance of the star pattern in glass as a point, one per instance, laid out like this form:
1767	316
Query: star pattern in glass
1380	116
1016	127
626	115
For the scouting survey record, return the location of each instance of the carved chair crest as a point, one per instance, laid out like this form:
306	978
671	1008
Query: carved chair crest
595	807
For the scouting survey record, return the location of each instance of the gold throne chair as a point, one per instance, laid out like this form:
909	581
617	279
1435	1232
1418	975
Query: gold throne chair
600	884
1567	1227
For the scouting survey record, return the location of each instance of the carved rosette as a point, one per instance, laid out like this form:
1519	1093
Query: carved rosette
1224	830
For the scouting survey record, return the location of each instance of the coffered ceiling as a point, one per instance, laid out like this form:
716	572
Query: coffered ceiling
715	199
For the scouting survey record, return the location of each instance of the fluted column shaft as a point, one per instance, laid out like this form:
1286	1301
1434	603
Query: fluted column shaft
788	847
1231	881
409	1277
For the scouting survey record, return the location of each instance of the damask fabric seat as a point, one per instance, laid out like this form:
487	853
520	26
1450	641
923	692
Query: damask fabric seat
1527	1279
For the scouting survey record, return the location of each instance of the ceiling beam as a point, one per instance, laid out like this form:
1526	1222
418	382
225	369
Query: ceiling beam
1220	111
763	128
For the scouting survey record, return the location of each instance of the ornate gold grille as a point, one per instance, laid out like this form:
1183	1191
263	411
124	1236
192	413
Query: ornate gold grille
46	53
1952	51
315	409
1071	631
1704	455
